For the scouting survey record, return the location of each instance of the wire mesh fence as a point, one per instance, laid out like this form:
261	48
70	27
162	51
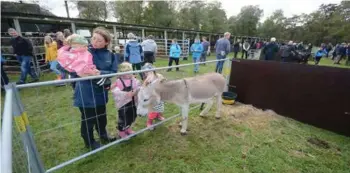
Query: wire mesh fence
56	124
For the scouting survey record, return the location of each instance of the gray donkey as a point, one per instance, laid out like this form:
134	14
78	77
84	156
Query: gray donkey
182	92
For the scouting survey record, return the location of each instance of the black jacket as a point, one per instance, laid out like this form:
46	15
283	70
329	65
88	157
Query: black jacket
22	46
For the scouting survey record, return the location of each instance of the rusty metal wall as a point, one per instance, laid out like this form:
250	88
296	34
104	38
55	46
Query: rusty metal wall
315	95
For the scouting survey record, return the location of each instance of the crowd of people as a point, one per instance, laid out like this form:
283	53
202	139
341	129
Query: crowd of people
293	52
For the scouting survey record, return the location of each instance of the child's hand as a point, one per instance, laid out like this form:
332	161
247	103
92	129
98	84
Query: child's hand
131	94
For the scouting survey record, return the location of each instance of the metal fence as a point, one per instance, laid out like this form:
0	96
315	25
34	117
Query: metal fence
39	65
47	127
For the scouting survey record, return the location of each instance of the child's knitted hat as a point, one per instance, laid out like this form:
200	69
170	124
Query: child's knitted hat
147	66
77	39
125	67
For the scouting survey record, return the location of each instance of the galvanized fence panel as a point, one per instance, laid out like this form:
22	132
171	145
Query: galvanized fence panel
53	134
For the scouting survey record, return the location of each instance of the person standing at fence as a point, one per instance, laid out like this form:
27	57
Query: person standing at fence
51	55
236	48
341	53
4	77
23	50
319	54
223	47
206	49
270	50
91	97
245	49
124	91
347	63
197	50
175	53
133	53
149	47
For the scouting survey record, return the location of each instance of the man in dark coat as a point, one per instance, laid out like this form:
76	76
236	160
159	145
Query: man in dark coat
270	50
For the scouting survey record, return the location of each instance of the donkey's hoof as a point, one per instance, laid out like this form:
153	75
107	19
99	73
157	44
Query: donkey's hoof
183	133
217	118
202	115
180	124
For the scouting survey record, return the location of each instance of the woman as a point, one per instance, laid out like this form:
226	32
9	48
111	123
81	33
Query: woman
59	39
91	96
175	53
133	53
51	55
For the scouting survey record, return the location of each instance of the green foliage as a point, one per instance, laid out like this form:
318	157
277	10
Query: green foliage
330	23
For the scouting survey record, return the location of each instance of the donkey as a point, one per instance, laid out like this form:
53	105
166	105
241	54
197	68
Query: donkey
182	92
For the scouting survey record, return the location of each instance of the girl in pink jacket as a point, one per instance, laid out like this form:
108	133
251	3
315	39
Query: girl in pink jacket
75	57
124	92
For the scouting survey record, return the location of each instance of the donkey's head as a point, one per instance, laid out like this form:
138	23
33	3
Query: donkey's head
147	97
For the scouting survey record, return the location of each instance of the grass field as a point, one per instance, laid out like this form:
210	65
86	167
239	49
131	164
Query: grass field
244	140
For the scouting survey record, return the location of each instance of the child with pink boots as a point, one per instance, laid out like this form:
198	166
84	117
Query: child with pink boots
75	57
157	111
124	92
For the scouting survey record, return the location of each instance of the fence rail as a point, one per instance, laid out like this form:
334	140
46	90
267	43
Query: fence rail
31	158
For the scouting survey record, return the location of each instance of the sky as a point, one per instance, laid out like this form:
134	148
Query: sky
232	7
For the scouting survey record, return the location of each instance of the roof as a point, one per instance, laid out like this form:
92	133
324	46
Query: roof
24	8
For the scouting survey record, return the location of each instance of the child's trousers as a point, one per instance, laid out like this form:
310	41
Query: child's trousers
126	116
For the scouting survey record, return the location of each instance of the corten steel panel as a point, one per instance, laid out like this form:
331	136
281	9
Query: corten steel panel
315	95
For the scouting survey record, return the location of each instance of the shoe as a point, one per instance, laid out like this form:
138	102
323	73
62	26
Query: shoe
123	134
160	117
20	83
107	139
168	70
129	131
94	145
34	80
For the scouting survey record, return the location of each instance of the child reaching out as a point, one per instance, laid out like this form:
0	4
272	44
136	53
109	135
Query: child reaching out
75	57
124	91
157	111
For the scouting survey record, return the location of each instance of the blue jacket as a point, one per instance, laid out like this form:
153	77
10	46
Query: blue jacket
133	52
175	51
320	53
88	93
196	49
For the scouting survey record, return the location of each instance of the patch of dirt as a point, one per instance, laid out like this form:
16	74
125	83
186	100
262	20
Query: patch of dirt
253	117
239	110
319	143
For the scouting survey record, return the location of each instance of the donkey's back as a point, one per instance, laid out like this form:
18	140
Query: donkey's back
204	87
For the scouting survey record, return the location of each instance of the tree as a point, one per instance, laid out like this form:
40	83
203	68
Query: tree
129	11
95	10
216	20
160	13
248	20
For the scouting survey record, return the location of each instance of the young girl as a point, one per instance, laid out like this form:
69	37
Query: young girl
51	55
75	57
124	91
157	110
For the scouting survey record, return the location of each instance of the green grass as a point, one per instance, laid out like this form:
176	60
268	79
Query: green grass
250	143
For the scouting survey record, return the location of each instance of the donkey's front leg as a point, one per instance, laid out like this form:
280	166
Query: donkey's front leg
218	106
184	110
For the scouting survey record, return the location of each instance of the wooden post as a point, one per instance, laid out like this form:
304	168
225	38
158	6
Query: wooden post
17	26
73	27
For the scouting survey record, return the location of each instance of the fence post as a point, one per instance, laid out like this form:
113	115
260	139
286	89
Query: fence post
73	27
6	134
166	42
35	59
23	127
227	72
17	26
